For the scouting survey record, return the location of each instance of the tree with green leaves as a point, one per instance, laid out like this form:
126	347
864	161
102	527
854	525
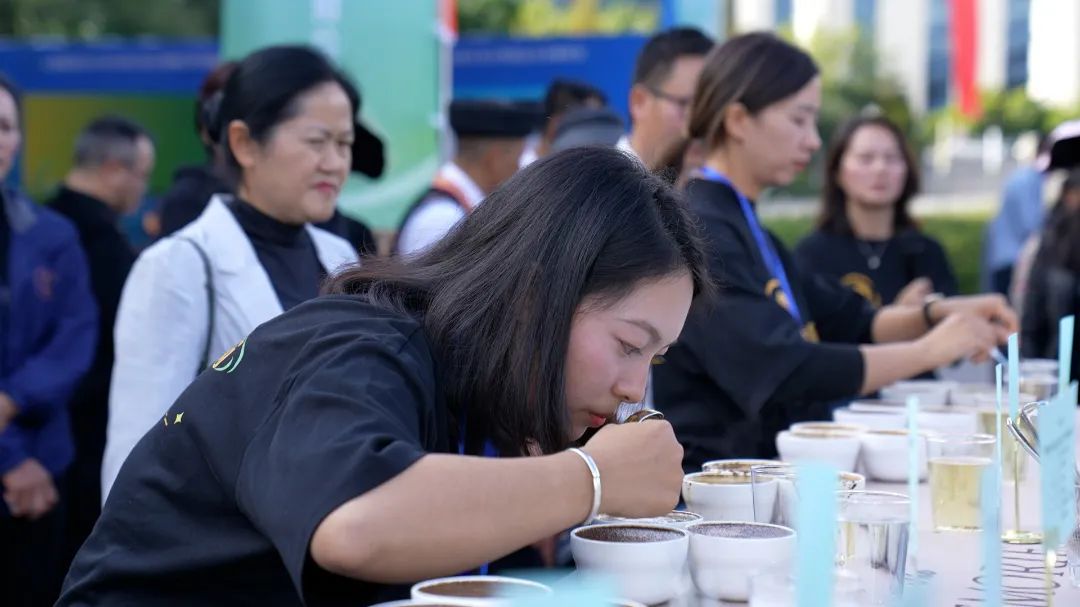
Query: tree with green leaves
93	19
854	80
552	18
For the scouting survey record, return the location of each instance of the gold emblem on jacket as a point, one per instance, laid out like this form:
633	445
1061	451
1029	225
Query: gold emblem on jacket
775	293
863	285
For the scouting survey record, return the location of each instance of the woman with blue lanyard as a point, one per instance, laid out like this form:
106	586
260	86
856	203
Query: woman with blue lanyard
339	449
778	346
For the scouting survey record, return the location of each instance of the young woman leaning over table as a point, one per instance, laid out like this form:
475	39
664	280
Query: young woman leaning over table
339	450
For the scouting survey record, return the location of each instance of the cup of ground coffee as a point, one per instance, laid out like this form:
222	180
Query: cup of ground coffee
718	496
476	590
646	562
725	555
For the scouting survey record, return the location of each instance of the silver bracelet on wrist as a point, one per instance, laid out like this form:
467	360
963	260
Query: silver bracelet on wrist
595	484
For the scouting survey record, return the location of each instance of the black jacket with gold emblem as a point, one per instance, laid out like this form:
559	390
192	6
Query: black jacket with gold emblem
219	500
743	369
908	255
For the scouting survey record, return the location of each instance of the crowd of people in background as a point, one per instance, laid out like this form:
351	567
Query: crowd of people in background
547	203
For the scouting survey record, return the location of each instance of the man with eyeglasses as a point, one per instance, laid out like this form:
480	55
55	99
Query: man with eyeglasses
665	75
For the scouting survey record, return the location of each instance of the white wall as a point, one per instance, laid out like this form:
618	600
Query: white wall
901	36
754	15
992	44
807	16
1054	52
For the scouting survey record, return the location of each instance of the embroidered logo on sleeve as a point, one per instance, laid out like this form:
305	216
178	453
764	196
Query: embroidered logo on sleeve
176	420
230	360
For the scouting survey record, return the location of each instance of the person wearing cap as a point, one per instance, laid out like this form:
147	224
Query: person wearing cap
587	126
288	132
1012	236
490	138
563	96
665	73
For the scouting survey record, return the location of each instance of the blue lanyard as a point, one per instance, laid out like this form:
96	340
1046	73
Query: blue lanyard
772	260
489	451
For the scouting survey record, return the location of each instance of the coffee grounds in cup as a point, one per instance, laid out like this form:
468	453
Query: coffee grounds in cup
739	530
479	588
628	535
721	478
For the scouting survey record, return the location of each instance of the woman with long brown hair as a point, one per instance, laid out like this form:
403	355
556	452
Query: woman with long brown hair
866	237
779	345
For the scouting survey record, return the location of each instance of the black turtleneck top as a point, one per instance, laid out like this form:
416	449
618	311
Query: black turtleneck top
285	251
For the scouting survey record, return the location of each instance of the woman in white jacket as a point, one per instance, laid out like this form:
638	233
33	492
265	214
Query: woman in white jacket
287	124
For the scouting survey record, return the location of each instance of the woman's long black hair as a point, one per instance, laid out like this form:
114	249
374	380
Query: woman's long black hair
499	293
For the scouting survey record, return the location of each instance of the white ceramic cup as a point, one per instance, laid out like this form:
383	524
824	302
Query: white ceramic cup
815	428
776	495
838	449
876	405
949	420
646	562
678	519
871	420
931	392
476	590
885	455
725	555
719	497
967	394
734	466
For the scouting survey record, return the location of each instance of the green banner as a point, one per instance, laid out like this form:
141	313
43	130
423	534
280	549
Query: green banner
394	55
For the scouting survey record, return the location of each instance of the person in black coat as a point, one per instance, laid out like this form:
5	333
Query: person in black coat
113	161
779	345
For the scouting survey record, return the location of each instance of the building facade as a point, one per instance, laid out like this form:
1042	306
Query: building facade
1029	43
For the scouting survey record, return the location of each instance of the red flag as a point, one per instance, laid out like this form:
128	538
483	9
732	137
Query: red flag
965	39
448	15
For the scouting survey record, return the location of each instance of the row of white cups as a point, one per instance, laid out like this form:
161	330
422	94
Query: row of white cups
717	540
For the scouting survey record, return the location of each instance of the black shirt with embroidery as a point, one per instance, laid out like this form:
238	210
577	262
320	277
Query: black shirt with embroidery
285	251
218	502
744	369
901	259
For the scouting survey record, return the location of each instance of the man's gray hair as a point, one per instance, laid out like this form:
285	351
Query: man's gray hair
109	138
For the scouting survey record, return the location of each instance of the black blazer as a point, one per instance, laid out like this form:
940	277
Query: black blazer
743	369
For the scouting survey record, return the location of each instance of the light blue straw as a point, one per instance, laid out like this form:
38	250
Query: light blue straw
913	477
991	511
816	539
1065	346
1014	376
